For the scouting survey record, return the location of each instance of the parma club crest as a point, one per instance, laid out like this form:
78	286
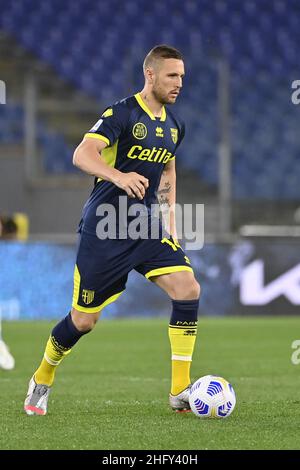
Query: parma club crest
174	134
87	296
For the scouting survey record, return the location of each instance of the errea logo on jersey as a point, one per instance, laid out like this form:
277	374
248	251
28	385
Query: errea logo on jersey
155	155
159	132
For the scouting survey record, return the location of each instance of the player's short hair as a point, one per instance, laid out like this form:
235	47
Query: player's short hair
161	52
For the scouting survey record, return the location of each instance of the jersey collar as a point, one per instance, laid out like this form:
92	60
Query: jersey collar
147	110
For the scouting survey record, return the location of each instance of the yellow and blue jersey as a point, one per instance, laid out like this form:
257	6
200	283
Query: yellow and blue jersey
136	141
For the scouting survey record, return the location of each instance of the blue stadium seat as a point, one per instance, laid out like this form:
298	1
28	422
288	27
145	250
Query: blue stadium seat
94	50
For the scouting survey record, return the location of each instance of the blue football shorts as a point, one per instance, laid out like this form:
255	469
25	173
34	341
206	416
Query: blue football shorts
102	267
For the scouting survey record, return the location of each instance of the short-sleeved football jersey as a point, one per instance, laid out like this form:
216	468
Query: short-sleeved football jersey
136	141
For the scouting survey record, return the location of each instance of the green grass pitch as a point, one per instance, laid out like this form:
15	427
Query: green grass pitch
111	391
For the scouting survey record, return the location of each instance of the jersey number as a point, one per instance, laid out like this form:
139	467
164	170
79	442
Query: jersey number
175	247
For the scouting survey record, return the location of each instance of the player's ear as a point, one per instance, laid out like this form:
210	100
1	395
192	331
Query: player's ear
149	75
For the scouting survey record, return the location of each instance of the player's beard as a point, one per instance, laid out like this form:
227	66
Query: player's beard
160	96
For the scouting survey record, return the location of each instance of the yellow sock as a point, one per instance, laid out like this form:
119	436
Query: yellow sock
180	376
182	339
54	354
45	373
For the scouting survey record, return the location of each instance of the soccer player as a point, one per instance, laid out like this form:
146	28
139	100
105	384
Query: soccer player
7	361
131	152
8	231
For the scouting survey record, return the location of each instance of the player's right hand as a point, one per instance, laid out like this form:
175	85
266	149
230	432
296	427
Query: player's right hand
134	184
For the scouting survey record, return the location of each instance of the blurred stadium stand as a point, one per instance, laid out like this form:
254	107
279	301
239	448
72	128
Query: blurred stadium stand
92	57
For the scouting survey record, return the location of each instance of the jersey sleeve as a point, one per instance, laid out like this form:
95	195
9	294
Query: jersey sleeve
110	126
181	135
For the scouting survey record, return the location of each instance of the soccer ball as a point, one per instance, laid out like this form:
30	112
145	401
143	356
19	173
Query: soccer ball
212	397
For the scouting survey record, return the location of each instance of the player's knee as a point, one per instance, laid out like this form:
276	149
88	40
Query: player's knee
193	290
187	289
84	322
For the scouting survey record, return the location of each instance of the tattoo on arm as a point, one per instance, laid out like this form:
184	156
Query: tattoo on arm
166	189
164	200
163	194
